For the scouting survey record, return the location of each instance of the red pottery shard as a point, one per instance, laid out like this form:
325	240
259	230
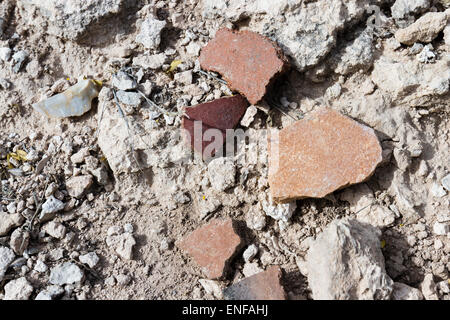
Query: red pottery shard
319	154
196	141
212	246
223	113
261	286
248	61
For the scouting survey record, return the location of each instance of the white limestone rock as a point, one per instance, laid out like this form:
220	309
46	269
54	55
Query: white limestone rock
345	262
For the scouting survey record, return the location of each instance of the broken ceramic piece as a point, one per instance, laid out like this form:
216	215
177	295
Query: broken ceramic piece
324	152
220	114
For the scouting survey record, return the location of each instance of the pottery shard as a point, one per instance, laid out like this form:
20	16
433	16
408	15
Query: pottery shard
221	114
320	154
212	246
248	61
261	286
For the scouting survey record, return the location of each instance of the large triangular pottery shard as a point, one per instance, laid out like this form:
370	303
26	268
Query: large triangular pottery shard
248	61
320	154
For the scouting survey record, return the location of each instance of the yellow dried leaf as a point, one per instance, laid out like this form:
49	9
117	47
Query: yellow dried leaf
383	244
98	82
8	156
22	155
174	65
19	155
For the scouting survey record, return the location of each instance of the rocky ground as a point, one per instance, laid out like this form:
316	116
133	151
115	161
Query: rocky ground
103	205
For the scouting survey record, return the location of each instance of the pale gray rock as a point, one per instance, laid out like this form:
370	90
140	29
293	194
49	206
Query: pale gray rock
184	77
19	241
403	8
250	253
334	91
393	44
18	289
91	259
411	82
128	227
404	292
356	55
181	198
40	266
425	29
221	173
123	279
444	287
309	34
249	116
66	273
54	229
255	218
5	53
5	84
443	217
426	55
2	26
149	144
193	49
122	81
301	265
79	157
377	215
251	268
129	98
114	230
362	202
77	186
447	35
441	229
122	244
50	293
150	33
154	61
416	48
281	212
19	59
71	20
212	287
6	257
207	204
101	175
49	208
446	182
437	190
428	287
110	281
345	262
235	10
